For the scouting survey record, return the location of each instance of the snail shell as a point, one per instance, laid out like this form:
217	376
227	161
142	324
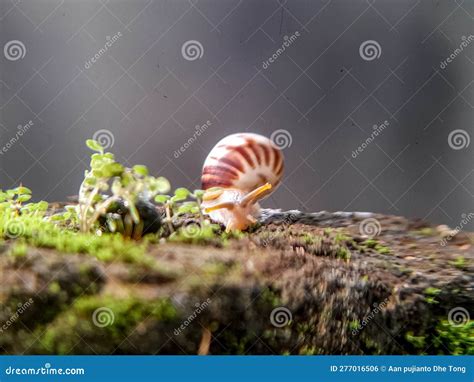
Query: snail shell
238	172
243	161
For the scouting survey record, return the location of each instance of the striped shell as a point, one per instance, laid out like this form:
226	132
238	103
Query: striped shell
243	161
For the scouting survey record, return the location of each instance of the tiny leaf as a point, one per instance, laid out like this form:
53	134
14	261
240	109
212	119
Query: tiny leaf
94	145
140	170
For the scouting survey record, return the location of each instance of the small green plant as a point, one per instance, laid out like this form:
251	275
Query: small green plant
16	216
127	186
179	204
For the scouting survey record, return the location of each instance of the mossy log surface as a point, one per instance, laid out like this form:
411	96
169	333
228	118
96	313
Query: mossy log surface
346	293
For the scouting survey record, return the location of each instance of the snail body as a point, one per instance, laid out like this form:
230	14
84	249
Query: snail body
240	170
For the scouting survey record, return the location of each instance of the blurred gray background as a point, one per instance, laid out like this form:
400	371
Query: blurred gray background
144	96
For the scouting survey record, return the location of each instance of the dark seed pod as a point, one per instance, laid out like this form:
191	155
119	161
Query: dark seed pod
119	219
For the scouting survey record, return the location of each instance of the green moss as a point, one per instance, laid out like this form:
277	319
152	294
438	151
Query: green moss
96	318
425	231
341	238
454	339
444	338
430	295
370	243
308	350
270	297
382	249
419	342
460	262
343	253
54	287
198	233
354	325
18	250
308	239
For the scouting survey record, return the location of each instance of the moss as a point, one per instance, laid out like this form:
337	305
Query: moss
18	250
454	339
460	262
370	243
419	342
215	269
96	318
343	253
354	325
444	337
430	295
308	350
268	296
308	239
341	238
383	250
425	231
54	287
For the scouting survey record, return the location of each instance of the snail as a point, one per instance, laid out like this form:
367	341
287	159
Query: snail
240	170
